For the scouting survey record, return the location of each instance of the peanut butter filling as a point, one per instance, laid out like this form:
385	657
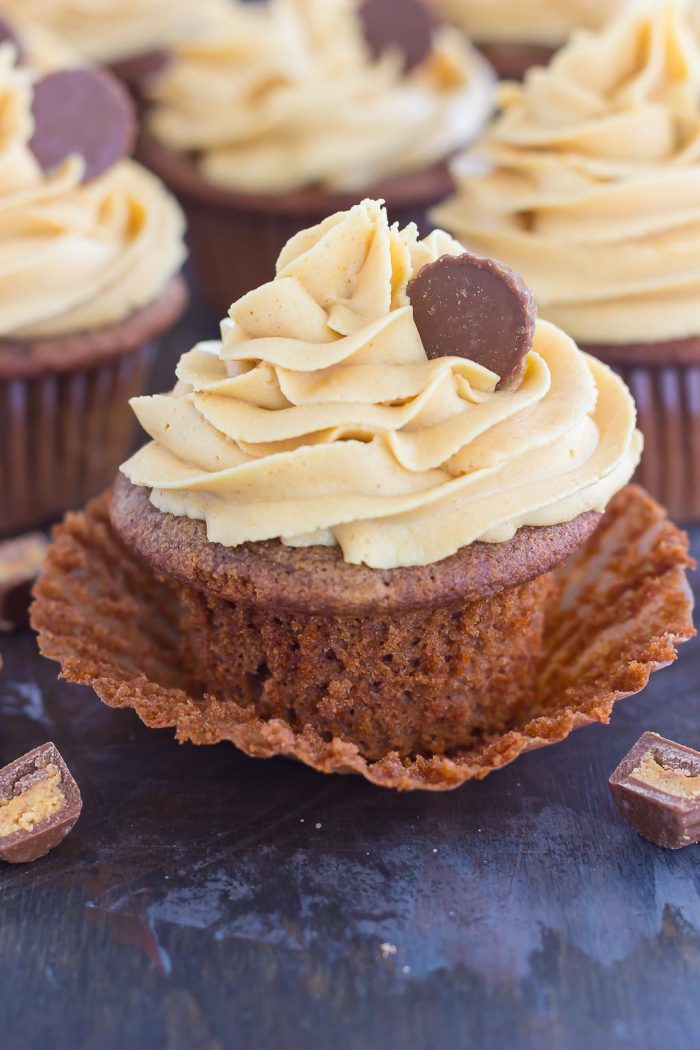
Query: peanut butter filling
675	780
42	800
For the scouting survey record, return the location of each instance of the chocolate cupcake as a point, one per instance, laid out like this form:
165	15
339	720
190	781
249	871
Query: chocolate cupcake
356	518
286	112
515	36
90	249
589	185
130	37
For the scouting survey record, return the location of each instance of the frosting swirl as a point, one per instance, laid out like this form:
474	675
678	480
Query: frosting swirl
318	418
105	31
589	182
547	22
73	255
287	94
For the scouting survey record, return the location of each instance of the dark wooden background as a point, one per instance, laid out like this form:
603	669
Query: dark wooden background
208	901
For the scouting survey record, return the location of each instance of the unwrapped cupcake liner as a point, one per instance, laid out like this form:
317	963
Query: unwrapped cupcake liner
623	605
63	435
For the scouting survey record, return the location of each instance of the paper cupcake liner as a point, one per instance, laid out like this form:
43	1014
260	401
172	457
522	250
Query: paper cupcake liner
623	605
668	406
235	238
63	436
65	422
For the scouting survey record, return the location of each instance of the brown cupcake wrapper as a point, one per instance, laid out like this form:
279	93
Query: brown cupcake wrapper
65	420
63	436
622	606
235	238
664	379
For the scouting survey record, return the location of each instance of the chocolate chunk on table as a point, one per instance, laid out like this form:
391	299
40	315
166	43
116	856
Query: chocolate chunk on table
39	805
20	563
476	308
657	789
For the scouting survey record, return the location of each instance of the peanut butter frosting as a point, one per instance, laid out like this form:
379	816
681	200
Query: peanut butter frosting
547	22
589	182
318	418
105	31
43	50
74	256
288	94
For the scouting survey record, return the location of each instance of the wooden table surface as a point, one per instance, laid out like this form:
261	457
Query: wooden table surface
208	901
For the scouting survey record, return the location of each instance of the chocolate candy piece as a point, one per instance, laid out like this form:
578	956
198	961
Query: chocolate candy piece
657	789
84	111
403	25
39	804
468	306
20	564
8	36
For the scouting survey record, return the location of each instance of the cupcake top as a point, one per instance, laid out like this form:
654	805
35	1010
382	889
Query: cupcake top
84	242
319	418
548	22
328	93
589	182
105	31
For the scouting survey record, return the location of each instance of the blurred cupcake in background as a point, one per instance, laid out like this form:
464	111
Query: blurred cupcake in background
589	185
90	248
515	36
132	37
291	110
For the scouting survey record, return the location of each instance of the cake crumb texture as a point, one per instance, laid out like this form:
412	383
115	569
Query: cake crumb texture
427	680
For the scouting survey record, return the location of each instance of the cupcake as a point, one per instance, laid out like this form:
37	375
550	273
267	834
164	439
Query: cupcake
90	249
515	36
589	185
288	111
381	525
131	37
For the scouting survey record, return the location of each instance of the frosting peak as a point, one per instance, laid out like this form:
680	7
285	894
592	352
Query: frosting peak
589	181
318	418
548	22
105	31
74	256
288	94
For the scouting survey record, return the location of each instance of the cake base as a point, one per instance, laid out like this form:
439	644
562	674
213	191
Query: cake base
317	581
621	605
